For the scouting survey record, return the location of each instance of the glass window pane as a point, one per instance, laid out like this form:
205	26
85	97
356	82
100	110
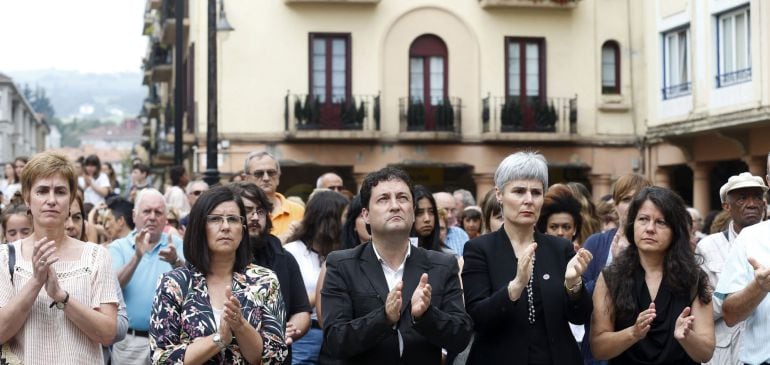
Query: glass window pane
683	65
319	46
728	50
436	79
514	67
338	47
533	70
608	66
741	42
416	88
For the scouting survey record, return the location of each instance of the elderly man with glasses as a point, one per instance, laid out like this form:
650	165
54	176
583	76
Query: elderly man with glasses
262	169
330	181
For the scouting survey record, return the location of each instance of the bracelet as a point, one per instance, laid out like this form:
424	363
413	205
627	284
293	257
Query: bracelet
575	288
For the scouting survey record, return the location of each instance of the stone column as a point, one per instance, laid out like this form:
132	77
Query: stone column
601	185
700	186
661	177
484	183
756	165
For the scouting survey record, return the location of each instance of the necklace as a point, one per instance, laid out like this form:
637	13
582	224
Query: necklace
530	300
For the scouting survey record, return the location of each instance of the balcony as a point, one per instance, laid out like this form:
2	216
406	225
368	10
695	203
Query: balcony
168	21
441	119
674	91
514	118
306	117
735	77
546	4
154	4
159	63
331	1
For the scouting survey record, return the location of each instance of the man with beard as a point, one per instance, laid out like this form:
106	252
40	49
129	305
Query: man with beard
269	253
743	197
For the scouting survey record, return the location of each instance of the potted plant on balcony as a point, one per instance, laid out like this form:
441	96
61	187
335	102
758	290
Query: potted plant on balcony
444	115
309	114
352	117
545	118
511	116
415	115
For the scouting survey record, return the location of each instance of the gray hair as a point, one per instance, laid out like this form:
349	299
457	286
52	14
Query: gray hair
467	197
147	192
522	166
190	186
259	155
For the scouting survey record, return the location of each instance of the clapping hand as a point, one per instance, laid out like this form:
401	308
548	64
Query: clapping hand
684	324
169	254
393	303
42	259
761	274
576	267
644	321
421	297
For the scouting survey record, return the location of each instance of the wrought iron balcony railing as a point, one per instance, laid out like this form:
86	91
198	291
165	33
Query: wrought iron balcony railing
443	115
531	114
306	112
734	77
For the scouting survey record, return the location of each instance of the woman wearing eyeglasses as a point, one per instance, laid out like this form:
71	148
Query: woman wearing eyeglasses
219	308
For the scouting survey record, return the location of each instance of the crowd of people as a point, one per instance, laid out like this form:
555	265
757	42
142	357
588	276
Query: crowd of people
97	272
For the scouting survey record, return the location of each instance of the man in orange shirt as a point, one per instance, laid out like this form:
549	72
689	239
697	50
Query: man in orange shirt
263	169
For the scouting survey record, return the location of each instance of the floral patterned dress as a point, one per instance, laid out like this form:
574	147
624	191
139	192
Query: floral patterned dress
181	312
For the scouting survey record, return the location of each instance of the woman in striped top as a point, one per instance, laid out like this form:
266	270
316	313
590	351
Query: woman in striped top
61	303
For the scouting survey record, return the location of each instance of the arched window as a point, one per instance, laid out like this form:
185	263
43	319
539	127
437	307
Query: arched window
428	88
610	68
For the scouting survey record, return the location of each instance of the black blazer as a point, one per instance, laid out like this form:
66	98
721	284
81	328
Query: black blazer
501	325
355	325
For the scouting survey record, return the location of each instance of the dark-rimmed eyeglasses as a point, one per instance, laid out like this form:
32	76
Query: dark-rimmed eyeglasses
218	220
261	173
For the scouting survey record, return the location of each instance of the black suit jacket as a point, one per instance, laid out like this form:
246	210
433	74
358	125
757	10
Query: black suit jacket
355	325
501	325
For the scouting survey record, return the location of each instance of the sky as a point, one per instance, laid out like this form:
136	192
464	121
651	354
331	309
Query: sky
99	36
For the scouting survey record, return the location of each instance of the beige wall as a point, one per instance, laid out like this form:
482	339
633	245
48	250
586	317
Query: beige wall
267	55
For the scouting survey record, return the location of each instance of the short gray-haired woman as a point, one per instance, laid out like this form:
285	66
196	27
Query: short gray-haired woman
515	277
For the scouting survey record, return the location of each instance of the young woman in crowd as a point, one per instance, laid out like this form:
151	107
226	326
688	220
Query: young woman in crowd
471	221
317	235
95	184
652	305
514	277
61	285
112	177
354	230
11	183
492	213
220	307
16	223
560	216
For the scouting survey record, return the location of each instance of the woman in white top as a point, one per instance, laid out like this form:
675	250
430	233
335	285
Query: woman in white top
95	184
317	236
11	183
61	303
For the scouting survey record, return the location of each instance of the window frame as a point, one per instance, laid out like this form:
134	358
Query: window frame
685	88
743	74
418	48
522	41
329	37
615	47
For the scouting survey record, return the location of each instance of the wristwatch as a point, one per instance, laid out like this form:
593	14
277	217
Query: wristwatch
62	304
218	341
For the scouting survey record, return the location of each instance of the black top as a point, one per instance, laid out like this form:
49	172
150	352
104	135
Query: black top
659	346
274	257
503	332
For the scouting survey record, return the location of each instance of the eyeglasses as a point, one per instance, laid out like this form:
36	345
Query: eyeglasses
336	188
260	212
196	192
218	220
261	173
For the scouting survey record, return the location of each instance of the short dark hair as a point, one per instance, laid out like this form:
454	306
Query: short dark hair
196	248
122	208
350	237
142	168
385	174
555	203
176	172
249	190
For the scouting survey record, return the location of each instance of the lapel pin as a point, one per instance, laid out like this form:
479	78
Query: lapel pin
546	276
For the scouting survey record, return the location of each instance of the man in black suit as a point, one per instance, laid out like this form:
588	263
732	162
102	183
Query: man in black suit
387	301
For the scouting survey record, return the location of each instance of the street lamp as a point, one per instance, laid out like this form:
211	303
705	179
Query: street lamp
211	175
